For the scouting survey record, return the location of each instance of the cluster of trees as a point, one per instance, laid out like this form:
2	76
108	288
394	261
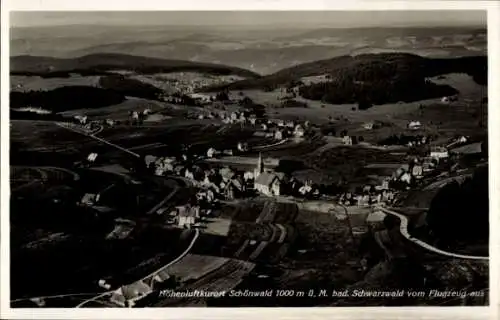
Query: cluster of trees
130	87
402	139
461	211
374	87
67	98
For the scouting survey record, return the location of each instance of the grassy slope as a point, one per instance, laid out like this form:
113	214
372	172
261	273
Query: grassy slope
100	63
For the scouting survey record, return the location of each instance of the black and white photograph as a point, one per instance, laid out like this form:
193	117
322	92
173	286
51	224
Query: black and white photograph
169	159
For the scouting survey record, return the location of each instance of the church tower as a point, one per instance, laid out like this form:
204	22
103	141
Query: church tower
260	167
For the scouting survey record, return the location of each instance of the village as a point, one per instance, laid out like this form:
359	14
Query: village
219	177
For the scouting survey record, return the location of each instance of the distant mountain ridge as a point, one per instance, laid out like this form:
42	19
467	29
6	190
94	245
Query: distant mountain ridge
102	63
263	52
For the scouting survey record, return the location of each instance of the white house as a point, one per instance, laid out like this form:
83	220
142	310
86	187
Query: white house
92	156
81	119
368	125
90	199
439	153
249	175
211	152
189	175
346	140
299	131
414	125
417	171
278	134
252	119
268	184
242	146
406	177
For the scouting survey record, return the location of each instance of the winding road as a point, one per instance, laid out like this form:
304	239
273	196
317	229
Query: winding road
404	231
151	275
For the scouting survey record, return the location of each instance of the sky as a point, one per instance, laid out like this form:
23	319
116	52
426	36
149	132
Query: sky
313	19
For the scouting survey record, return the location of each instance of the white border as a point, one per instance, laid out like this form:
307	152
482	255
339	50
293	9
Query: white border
276	313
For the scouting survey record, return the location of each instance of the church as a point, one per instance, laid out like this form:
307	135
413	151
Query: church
266	183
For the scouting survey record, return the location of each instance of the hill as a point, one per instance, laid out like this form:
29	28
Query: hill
375	78
102	63
66	98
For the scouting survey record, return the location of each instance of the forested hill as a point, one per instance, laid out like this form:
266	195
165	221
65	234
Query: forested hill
368	67
369	79
99	64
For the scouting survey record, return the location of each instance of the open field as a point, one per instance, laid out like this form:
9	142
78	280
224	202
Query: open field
35	83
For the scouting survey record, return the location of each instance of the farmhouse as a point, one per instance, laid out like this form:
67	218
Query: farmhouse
126	296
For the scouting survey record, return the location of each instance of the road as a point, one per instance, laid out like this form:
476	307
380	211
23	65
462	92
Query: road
93	136
153	274
404	231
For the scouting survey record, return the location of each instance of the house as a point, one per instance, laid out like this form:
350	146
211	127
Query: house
439	153
242	146
298	131
234	188
189	174
149	159
90	199
268	184
211	152
92	156
252	119
346	140
226	173
200	97
249	175
368	125
126	296
414	125
417	171
81	119
278	134
406	177
186	215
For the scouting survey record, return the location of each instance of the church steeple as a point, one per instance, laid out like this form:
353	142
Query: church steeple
260	166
